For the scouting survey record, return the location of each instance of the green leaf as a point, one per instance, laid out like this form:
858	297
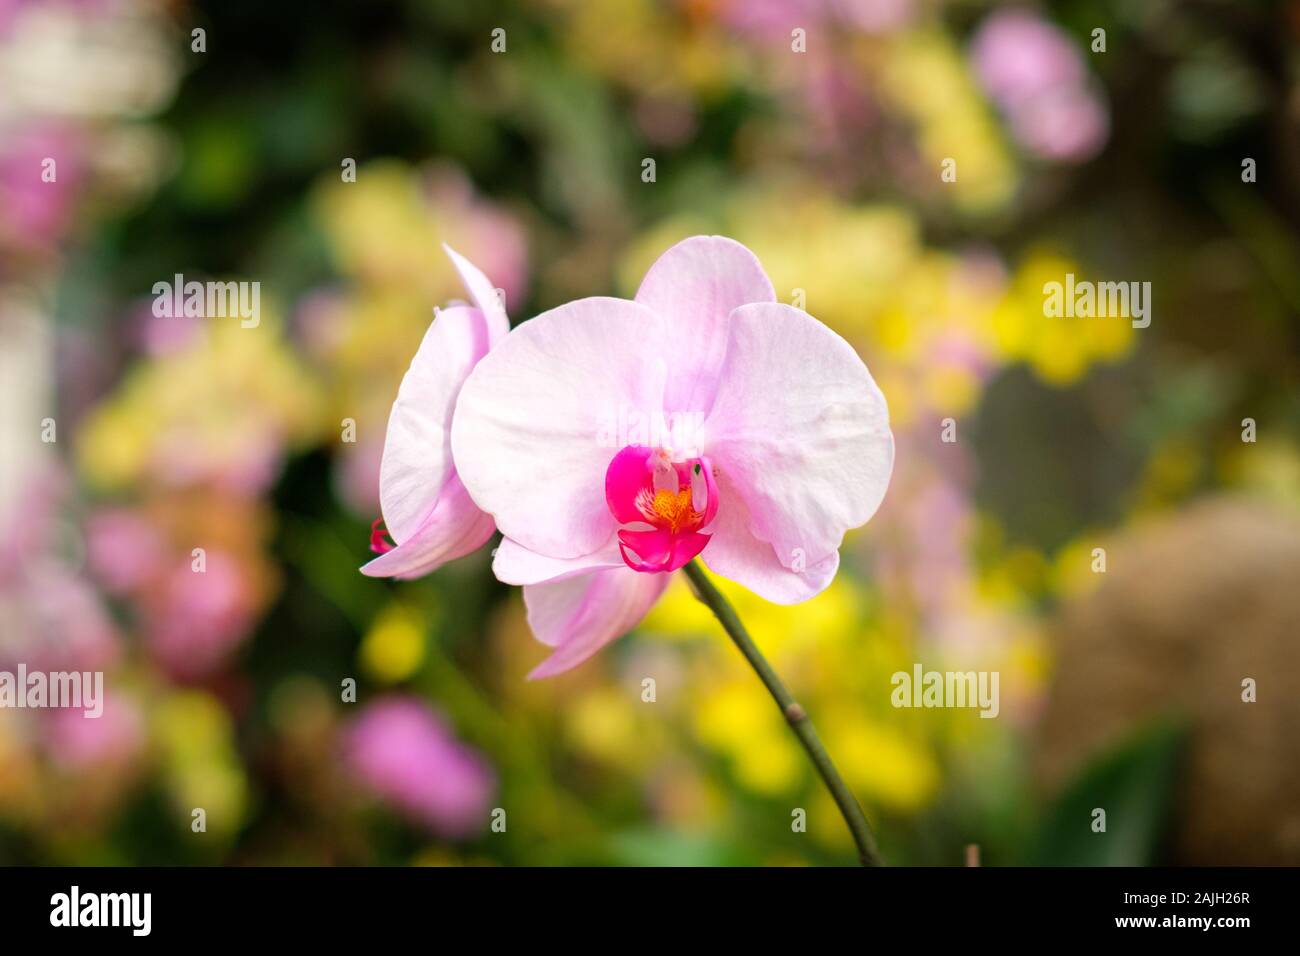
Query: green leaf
1133	782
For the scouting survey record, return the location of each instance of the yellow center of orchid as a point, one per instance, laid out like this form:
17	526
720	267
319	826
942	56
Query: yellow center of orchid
671	509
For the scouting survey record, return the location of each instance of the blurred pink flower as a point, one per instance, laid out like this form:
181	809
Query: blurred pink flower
34	214
164	335
405	754
874	16
244	469
123	549
932	521
199	619
53	618
27	522
1036	75
958	349
1068	125
115	737
665	120
10	9
319	321
357	475
1018	56
85	368
775	19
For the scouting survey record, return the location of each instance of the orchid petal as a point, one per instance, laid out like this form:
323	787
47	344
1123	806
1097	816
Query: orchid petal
695	285
800	430
452	530
483	293
532	434
579	615
515	564
735	553
417	447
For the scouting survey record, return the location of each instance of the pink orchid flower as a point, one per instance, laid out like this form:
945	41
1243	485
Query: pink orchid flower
613	441
426	509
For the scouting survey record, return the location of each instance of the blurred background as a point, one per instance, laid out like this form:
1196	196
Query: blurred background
127	441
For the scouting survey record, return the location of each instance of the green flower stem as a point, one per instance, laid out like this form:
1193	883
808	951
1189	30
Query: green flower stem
795	715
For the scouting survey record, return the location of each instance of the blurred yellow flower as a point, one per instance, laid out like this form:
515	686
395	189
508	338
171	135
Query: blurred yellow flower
20	780
739	719
924	77
1270	468
603	724
1017	574
1059	348
380	230
827	619
1072	571
881	764
201	764
1170	474
386	231
393	648
219	409
647	46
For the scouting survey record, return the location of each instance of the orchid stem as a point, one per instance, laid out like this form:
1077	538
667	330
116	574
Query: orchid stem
795	715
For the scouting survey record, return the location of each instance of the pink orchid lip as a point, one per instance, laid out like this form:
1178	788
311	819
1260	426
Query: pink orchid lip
667	503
